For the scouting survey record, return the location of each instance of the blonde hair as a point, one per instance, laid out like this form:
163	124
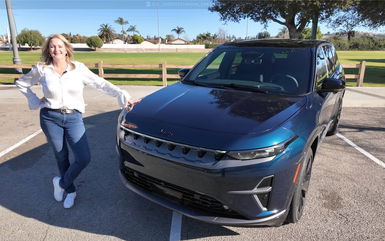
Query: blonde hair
45	55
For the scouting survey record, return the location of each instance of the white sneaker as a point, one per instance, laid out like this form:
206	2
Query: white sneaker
57	190
70	200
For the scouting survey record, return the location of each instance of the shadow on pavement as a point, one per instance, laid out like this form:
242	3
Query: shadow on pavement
103	206
359	128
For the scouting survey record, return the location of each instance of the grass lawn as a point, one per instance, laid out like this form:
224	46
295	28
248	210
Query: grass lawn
375	66
374	74
113	58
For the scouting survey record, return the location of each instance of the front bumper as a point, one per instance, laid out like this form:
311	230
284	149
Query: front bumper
216	194
196	213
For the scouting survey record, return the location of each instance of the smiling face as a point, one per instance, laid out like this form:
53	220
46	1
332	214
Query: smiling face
57	49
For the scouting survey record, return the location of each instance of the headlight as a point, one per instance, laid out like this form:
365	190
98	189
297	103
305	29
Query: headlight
261	152
122	115
121	118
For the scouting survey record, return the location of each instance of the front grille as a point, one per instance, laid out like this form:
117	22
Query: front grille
164	147
178	194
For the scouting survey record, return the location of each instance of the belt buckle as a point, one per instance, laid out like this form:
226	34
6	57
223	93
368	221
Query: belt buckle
64	110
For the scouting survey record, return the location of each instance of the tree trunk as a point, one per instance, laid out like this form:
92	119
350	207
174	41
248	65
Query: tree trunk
292	26
293	32
314	26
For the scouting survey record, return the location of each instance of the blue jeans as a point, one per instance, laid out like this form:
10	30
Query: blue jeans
62	130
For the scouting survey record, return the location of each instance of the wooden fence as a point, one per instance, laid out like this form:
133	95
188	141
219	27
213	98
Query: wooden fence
163	66
361	72
100	67
164	75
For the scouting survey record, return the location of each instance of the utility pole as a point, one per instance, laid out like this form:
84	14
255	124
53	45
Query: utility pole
157	17
16	58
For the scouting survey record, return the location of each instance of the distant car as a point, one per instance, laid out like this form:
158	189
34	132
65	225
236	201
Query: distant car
233	143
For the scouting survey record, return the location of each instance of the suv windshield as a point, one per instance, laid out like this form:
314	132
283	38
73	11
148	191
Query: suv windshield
262	69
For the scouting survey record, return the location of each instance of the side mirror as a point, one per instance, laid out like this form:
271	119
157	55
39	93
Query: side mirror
182	72
332	85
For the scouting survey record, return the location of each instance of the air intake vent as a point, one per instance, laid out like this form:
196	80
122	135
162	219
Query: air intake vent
178	194
263	191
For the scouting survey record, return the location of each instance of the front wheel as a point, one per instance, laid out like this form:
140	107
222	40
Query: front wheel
301	189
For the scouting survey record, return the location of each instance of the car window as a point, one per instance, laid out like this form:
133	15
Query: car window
331	57
237	59
278	70
213	67
321	67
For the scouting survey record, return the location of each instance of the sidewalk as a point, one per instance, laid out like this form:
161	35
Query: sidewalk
364	97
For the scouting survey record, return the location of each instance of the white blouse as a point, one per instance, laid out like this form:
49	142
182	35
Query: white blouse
66	90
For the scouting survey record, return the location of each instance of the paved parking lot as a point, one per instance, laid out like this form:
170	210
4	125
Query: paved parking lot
346	199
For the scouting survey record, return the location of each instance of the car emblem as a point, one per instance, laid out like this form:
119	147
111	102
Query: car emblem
166	133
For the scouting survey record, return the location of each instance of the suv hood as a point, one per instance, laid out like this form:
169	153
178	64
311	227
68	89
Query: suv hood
185	108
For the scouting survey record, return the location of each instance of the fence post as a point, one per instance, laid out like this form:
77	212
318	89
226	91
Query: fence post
164	74
361	73
100	68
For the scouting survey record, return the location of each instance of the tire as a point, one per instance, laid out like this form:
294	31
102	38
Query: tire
334	128
301	188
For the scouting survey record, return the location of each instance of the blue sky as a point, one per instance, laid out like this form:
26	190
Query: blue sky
85	16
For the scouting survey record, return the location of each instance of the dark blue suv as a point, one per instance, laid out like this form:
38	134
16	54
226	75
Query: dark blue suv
233	143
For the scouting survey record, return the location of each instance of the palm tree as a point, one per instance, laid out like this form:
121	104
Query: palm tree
106	32
122	22
178	30
132	29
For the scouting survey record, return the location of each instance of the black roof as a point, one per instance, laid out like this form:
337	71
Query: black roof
289	43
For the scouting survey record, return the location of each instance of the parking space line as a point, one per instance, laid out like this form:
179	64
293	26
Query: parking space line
176	226
9	149
367	154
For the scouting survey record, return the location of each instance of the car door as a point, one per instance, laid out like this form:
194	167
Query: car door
335	71
323	71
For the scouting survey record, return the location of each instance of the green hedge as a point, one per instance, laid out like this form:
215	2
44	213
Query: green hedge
364	43
210	46
94	42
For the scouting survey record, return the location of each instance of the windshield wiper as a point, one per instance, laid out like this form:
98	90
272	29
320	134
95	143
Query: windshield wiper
246	87
202	84
212	85
192	82
229	86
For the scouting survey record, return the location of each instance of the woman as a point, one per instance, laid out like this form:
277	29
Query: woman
61	109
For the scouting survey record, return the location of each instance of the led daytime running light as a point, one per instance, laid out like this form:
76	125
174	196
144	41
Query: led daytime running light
261	153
